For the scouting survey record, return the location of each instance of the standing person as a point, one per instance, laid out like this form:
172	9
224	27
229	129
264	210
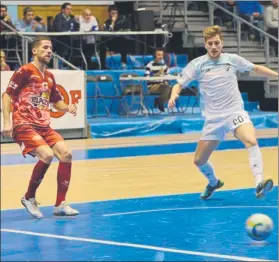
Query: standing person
30	90
222	106
88	23
64	22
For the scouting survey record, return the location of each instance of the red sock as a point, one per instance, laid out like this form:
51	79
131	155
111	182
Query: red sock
36	178
63	181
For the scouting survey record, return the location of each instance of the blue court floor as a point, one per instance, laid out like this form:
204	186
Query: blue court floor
166	228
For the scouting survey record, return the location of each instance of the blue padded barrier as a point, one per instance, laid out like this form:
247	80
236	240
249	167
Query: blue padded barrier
158	125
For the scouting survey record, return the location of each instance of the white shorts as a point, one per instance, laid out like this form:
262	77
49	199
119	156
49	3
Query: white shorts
217	128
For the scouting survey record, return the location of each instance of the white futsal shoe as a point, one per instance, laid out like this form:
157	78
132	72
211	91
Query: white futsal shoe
31	206
264	187
64	210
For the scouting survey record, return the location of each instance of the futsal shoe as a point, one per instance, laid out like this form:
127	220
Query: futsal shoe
64	210
263	187
31	206
210	189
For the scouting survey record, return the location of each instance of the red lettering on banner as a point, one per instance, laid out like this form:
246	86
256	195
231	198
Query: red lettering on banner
75	96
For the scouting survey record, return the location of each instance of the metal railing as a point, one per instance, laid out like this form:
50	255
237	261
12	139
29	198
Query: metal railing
26	40
240	20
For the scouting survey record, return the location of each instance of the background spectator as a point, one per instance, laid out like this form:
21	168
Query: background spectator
252	12
28	23
157	67
226	19
4	16
4	65
271	22
122	45
88	23
64	22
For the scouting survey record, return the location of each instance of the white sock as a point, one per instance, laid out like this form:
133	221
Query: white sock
209	173
256	163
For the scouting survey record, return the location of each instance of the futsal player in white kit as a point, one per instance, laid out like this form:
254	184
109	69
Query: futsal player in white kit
222	106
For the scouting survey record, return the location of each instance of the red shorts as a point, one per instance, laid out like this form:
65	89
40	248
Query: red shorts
30	137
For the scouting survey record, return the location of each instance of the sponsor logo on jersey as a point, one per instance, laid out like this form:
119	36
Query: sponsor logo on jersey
13	85
41	101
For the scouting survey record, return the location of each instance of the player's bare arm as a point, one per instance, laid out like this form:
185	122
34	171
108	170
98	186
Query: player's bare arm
174	95
6	102
265	71
62	106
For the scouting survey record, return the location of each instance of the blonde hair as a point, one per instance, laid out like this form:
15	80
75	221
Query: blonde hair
212	31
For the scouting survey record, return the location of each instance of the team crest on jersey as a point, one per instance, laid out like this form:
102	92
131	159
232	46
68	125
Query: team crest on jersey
227	67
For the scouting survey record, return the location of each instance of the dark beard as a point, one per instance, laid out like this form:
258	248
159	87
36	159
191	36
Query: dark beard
43	61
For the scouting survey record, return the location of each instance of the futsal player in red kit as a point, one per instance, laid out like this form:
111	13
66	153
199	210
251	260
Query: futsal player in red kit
30	91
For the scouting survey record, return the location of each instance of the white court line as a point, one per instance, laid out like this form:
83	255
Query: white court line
182	208
142	197
113	243
133	198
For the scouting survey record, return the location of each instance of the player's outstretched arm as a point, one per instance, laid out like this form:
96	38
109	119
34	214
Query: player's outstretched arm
62	106
6	103
174	95
265	71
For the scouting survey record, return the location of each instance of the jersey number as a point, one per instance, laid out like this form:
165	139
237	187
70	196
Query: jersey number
238	120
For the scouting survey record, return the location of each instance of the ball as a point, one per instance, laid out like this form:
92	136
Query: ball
259	227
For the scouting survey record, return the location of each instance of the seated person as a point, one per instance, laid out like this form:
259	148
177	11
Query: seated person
28	23
4	65
88	23
226	19
117	44
271	22
250	11
157	67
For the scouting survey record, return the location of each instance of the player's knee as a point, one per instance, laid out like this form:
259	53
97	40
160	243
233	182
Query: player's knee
250	142
66	155
47	156
199	161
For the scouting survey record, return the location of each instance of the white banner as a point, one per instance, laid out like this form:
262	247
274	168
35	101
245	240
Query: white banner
71	85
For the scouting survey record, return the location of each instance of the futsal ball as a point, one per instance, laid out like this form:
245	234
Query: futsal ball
259	227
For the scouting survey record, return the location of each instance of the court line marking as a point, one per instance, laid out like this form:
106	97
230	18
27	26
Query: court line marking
133	198
182	208
140	246
32	161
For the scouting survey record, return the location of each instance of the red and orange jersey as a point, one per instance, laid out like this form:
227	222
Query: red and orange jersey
32	92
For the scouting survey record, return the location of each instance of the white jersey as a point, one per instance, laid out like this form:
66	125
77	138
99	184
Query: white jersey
218	84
